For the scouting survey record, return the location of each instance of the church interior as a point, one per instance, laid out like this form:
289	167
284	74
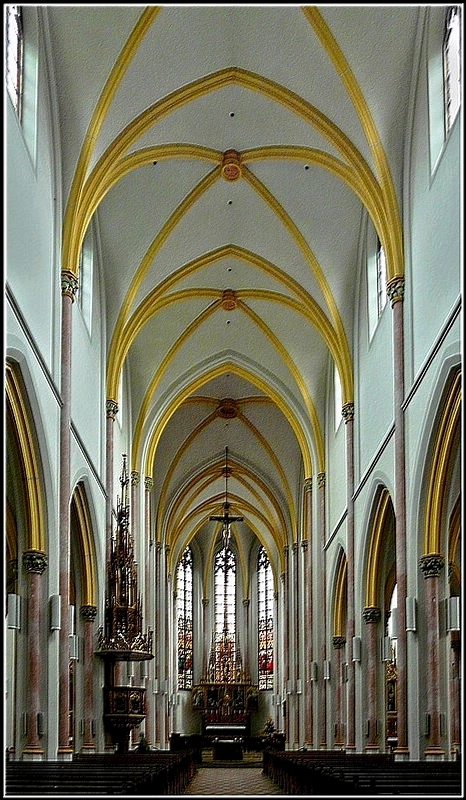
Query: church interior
233	380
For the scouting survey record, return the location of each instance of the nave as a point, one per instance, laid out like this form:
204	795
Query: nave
231	781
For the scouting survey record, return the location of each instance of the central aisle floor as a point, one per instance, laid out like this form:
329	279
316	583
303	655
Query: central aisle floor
231	781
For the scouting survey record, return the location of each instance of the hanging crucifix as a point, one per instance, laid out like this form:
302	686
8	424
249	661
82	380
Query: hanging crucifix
226	519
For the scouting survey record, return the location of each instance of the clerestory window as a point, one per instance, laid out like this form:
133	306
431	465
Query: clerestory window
265	620
452	65
14	43
184	609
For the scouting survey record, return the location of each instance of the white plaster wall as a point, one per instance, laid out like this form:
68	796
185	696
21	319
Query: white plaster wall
433	254
31	274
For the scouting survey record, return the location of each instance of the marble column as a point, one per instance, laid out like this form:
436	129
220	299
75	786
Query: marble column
112	410
308	627
395	291
339	643
136	538
88	615
166	640
34	562
119	668
247	633
204	638
286	659
348	416
455	693
276	663
296	643
322	616
431	566
158	639
371	616
148	594
69	286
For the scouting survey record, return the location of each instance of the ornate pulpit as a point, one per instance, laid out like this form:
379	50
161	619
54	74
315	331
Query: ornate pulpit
121	638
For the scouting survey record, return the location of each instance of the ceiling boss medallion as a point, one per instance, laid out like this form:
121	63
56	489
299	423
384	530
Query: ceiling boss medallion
228	300
227	408
231	165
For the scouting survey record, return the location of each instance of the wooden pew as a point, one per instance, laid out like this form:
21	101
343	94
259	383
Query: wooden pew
158	773
338	773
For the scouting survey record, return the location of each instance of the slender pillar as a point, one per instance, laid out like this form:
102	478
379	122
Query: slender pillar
308	627
455	694
112	410
88	615
371	616
296	642
136	538
431	565
339	643
322	616
149	725
348	416
69	285
276	665
246	660
135	513
34	562
158	638
205	630
166	641
286	660
395	291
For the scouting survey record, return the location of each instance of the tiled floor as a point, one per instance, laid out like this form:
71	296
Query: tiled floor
231	782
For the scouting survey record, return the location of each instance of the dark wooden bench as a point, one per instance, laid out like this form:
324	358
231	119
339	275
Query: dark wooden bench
159	773
338	773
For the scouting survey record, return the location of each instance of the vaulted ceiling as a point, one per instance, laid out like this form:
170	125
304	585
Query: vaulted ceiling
230	155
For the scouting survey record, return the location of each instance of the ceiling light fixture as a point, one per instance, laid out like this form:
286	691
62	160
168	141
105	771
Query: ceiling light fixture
225	519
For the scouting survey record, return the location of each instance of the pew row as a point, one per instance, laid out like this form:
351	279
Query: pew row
339	773
158	773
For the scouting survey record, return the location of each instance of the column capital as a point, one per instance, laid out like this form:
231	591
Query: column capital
371	614
88	613
134	478
111	407
34	561
148	482
338	642
304	544
69	284
321	480
308	485
396	289
246	602
205	601
431	565
347	412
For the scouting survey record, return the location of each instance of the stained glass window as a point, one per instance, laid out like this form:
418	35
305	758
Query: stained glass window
265	619
14	55
225	591
452	64
381	278
184	605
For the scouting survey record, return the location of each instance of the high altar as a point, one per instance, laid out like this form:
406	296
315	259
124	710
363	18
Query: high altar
225	697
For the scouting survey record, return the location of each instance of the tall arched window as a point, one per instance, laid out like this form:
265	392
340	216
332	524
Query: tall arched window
225	591
265	619
452	65
225	653
381	268
14	55
184	608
